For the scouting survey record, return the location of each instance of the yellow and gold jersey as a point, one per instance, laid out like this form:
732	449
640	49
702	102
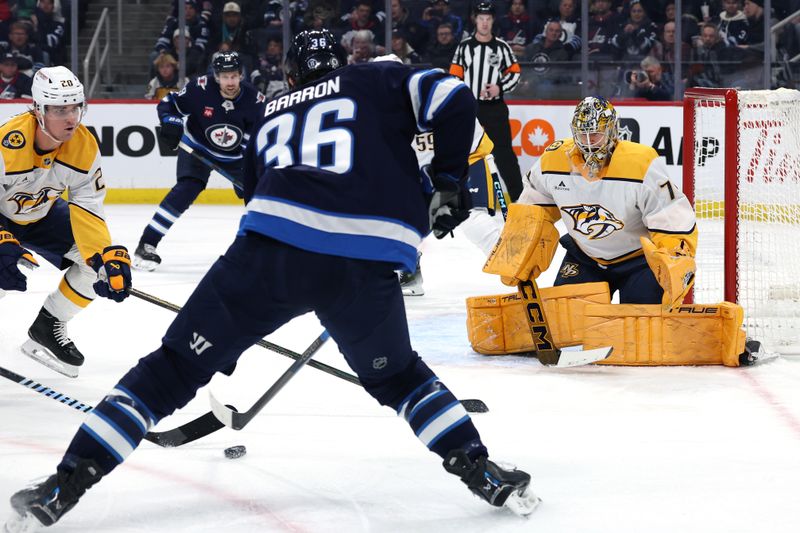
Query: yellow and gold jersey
631	197
31	181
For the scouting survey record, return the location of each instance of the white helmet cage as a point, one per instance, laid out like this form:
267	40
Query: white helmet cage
56	86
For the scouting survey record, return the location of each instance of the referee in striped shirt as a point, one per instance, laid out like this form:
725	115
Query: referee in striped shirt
488	66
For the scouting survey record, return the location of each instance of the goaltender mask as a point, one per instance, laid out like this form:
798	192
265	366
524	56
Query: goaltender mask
630	230
43	153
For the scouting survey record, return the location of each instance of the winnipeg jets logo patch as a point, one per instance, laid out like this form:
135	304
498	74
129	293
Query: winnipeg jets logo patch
593	220
224	136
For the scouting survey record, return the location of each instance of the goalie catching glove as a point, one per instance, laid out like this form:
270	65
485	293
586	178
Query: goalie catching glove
12	256
674	270
113	269
446	206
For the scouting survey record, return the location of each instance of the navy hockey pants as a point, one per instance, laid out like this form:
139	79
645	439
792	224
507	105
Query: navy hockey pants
51	237
633	278
256	287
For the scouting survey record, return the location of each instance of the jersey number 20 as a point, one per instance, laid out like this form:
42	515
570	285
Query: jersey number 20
328	149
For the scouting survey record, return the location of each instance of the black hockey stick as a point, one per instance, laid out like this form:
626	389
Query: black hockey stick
210	164
471	405
236	420
190	431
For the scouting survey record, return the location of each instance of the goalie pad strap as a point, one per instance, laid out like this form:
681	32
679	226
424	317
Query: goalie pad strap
647	335
526	246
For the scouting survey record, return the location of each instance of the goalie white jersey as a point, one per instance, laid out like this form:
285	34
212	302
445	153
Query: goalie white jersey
631	197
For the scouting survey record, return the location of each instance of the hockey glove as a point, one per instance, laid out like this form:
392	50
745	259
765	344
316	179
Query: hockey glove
113	273
674	270
171	131
12	256
445	202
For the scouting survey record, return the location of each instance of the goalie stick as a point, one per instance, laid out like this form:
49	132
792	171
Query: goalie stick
546	350
188	432
471	405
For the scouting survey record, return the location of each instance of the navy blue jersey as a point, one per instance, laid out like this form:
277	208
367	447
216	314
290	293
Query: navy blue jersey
331	168
217	126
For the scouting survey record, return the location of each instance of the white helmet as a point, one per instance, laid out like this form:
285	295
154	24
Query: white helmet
56	86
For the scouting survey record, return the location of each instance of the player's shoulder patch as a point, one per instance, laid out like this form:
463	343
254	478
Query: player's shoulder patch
260	97
202	81
631	160
13	140
554	146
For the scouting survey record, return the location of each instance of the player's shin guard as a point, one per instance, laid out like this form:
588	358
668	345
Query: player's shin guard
439	420
178	200
112	430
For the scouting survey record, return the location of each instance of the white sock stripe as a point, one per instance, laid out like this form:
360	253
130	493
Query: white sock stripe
423	401
135	415
109	434
439	425
158	227
160	211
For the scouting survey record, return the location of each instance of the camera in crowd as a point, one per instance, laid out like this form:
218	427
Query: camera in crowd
632	76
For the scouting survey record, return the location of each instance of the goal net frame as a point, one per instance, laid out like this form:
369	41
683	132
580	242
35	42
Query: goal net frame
760	150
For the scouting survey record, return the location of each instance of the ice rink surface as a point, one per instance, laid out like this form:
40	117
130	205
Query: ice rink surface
611	449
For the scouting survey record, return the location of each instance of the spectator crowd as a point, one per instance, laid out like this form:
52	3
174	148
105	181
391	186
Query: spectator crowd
635	38
32	36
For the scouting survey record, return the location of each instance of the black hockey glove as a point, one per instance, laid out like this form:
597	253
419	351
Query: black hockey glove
113	269
171	131
446	207
12	256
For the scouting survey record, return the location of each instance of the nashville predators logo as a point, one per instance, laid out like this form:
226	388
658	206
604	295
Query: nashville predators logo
14	139
569	270
28	203
593	220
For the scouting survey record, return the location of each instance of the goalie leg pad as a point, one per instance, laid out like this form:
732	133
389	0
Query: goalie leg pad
526	247
647	335
496	324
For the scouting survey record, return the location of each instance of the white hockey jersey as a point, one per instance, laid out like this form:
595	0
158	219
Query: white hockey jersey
31	181
632	197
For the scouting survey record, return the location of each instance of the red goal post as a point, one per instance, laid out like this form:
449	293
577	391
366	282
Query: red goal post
741	171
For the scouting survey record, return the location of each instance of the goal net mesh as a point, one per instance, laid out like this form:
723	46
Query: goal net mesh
762	205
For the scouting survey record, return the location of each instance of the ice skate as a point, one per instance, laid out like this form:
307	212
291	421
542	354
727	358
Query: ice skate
49	344
45	502
411	283
145	258
498	486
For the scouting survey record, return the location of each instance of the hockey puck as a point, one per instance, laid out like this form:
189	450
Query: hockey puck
234	452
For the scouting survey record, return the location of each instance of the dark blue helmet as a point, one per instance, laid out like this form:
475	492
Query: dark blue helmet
312	54
226	62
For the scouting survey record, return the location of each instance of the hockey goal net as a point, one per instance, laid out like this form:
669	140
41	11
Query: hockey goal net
741	169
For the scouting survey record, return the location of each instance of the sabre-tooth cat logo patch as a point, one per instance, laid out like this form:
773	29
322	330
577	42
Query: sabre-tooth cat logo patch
199	344
593	220
30	202
14	139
